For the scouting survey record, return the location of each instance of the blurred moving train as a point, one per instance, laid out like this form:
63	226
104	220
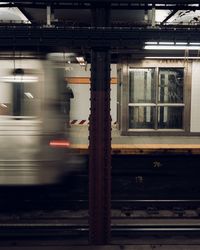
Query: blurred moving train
34	141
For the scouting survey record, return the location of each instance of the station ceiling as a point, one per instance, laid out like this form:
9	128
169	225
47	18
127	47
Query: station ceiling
123	12
77	13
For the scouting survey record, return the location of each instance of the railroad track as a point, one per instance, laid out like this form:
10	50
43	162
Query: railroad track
57	230
64	202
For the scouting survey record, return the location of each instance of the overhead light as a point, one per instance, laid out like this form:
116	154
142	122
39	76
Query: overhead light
152	43
19	79
57	56
29	95
181	43
3	105
194	43
166	43
163	47
80	59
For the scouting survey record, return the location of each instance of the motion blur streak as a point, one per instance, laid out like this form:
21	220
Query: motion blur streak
59	143
34	137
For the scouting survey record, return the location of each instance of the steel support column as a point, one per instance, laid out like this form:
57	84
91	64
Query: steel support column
100	148
100	139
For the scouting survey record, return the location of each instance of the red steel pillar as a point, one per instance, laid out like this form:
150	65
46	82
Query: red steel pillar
100	148
100	136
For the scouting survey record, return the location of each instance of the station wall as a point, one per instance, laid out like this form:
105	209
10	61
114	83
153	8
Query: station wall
195	98
78	78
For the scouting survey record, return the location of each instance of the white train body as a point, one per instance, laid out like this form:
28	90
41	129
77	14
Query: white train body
33	138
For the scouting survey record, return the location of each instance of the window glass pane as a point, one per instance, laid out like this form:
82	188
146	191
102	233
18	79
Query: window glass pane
142	85
170	117
141	117
5	99
20	95
31	101
170	85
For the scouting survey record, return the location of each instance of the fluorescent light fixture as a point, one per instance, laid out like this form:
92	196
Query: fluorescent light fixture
19	78
29	95
20	14
80	59
162	47
151	43
194	43
60	56
166	43
3	105
160	15
193	4
12	14
181	43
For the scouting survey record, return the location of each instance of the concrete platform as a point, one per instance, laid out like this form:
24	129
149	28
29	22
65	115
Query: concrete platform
137	144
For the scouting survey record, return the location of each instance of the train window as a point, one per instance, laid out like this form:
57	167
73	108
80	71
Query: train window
170	117
142	86
170	98
141	117
19	96
170	85
156	98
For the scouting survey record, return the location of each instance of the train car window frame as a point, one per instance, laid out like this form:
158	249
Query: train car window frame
23	91
160	114
184	128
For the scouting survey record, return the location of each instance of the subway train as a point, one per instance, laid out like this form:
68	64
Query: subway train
34	148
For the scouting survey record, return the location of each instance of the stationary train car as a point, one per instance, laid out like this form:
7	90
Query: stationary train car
33	134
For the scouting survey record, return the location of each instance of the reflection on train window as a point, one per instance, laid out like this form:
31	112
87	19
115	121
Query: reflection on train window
141	117
156	104
142	86
170	86
170	117
19	95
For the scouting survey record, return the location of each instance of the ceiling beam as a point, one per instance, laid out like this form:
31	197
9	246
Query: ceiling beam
169	16
114	4
112	1
26	14
115	38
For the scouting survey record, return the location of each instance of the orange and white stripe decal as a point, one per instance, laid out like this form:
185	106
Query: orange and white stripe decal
85	80
84	122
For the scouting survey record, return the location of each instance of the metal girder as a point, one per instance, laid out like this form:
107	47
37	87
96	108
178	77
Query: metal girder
89	37
169	16
111	1
114	4
100	138
100	148
26	14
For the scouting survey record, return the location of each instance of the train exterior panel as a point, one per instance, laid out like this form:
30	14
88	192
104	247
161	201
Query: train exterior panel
34	140
195	100
158	97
